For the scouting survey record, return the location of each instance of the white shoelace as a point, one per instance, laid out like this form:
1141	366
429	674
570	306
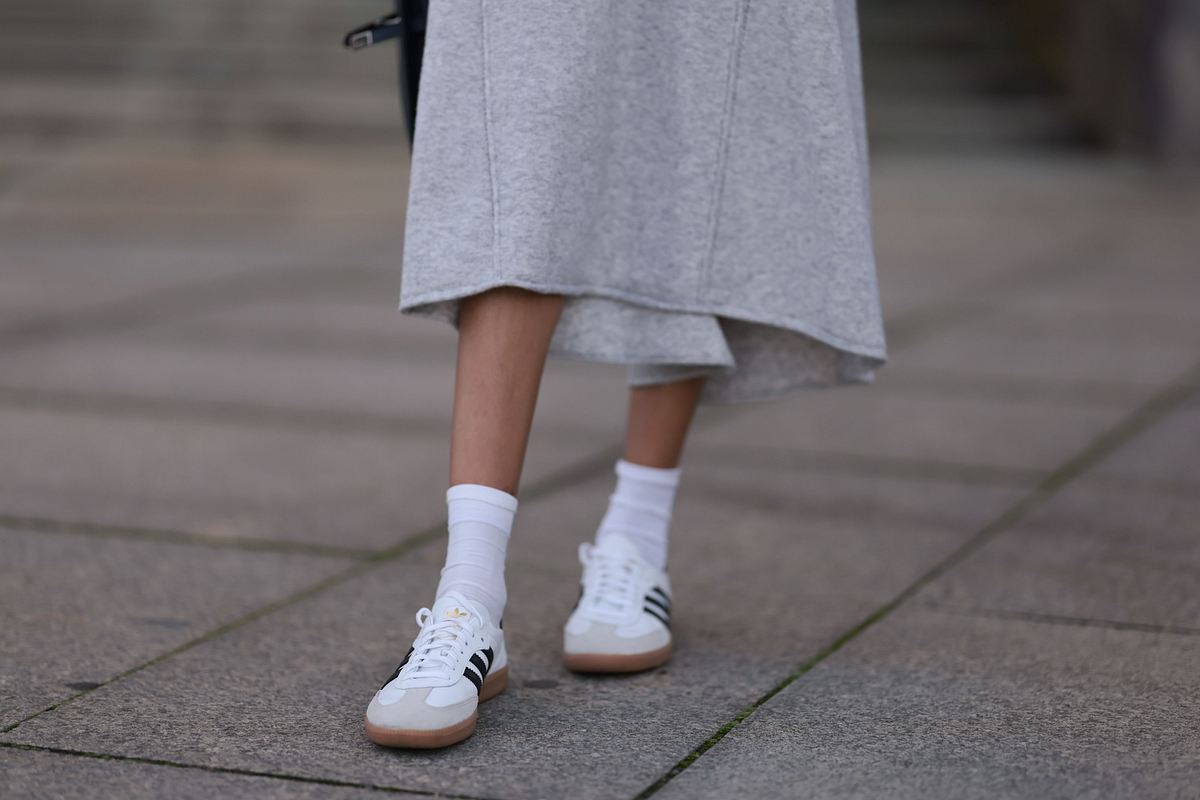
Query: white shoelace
609	580
438	647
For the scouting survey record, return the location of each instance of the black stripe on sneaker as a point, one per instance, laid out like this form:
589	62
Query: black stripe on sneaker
664	598
652	599
655	612
470	675
480	665
396	674
491	658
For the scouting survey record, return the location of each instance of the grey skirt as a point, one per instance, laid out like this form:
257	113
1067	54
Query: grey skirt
690	174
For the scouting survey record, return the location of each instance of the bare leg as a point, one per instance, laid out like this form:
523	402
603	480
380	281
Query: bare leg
634	533
504	335
659	418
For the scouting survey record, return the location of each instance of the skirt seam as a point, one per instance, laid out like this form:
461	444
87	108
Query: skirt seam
485	57
722	158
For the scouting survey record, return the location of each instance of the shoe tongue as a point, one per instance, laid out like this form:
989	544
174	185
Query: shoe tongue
452	605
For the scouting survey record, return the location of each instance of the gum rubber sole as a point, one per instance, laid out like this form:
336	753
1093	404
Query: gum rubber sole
611	662
493	685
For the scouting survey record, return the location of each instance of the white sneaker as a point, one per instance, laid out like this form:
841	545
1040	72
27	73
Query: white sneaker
457	661
621	622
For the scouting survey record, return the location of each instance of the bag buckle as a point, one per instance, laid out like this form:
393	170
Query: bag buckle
382	29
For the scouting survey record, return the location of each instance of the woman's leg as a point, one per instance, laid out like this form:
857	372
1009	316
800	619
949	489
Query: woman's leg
504	335
622	620
659	418
640	508
459	658
503	338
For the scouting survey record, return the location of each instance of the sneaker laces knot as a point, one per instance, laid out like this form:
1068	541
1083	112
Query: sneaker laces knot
437	648
609	580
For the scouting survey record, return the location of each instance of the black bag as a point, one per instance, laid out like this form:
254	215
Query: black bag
407	26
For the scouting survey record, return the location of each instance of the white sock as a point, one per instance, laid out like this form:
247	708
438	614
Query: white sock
640	509
481	520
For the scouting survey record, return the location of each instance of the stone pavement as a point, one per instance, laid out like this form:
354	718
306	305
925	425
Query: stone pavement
221	501
224	457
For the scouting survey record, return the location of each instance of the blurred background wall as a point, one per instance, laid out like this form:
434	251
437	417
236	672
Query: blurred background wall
1130	68
1122	74
206	71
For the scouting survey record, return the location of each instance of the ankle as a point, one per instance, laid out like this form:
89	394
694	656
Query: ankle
639	509
480	521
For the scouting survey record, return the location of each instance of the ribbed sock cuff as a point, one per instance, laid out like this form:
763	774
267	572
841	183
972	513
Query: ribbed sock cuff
486	494
639	472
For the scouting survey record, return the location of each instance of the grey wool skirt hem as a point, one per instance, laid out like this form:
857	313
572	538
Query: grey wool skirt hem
743	359
690	174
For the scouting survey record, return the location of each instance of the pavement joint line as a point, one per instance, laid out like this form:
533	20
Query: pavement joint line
219	412
863	465
1132	485
167	302
1006	389
825	462
802	460
1137	421
216	335
583	469
251	773
179	537
19	524
295	597
288	341
903	331
1014	389
1040	618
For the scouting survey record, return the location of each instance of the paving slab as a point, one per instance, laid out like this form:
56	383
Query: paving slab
1029	315
977	243
338	346
1166	317
941	381
1047	349
50	776
1033	208
950	429
902	300
761	582
1113	242
1116	311
1149	271
1120	544
155	191
360	488
931	705
1089	554
360	319
77	610
1168	454
41	277
389	387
